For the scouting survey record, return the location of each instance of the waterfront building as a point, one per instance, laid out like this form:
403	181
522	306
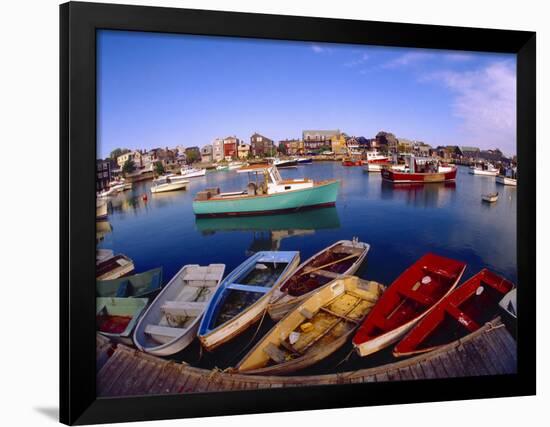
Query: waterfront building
339	144
469	153
206	153
261	146
315	140
230	145
387	141
217	150
103	173
293	146
243	150
135	156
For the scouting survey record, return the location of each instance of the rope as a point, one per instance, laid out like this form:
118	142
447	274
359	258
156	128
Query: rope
346	358
251	339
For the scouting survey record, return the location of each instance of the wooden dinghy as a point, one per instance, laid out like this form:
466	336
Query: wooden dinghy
116	317
171	322
113	268
342	258
461	312
409	298
490	198
315	329
138	285
243	296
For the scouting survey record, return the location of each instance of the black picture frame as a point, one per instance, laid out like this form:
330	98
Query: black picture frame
78	25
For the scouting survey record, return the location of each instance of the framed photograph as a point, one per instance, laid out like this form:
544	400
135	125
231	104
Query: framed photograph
297	212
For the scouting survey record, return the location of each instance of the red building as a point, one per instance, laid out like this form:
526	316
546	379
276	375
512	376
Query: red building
230	145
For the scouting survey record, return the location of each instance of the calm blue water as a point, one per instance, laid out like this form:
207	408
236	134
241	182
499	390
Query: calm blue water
401	223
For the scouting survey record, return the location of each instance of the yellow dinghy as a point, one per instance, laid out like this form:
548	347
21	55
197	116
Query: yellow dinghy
315	329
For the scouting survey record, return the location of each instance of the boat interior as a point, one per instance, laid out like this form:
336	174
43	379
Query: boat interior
182	304
326	267
317	325
246	290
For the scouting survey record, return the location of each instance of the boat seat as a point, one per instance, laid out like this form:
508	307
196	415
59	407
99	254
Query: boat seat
417	297
326	273
183	308
248	288
347	250
201	279
164	331
462	318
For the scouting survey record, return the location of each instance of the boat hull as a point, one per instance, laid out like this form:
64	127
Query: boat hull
483	172
213	338
280	305
164	188
397	177
257	361
318	196
507	181
414	294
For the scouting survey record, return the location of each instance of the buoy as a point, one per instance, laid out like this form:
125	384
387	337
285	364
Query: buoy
144	197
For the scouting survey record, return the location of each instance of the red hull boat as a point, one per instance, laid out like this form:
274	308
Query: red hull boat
349	162
410	297
463	311
448	175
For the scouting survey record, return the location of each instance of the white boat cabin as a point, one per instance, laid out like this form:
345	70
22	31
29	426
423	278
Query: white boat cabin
267	180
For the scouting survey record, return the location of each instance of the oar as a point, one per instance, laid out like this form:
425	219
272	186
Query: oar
329	264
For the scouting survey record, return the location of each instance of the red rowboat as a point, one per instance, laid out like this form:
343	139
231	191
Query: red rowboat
444	174
351	162
463	311
409	298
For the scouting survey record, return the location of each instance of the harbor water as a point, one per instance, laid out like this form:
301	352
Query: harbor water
401	223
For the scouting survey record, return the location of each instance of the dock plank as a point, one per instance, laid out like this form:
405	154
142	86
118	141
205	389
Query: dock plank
127	372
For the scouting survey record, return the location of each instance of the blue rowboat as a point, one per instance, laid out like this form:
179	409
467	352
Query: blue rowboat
138	285
272	195
243	296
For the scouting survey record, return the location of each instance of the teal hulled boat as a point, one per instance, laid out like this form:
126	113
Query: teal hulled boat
117	317
138	285
266	194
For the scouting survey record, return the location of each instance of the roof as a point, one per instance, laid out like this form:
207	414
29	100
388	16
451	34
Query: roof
322	132
468	149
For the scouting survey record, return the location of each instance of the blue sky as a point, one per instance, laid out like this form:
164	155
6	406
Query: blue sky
158	90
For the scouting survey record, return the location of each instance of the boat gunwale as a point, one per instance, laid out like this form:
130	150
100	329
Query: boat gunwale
291	266
158	297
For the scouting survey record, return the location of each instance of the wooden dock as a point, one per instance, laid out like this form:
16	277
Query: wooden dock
124	371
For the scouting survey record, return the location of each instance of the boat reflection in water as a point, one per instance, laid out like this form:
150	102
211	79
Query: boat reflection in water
270	230
420	195
101	229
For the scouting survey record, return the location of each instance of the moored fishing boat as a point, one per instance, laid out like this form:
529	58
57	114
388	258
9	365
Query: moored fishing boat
484	169
339	259
304	160
235	165
189	172
409	298
374	157
461	312
143	284
421	171
267	192
490	198
169	182
315	329
114	267
349	161
242	297
505	180
116	317
172	320
284	163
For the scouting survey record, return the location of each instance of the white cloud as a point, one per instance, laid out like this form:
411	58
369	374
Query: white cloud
361	60
485	101
458	57
320	49
407	59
